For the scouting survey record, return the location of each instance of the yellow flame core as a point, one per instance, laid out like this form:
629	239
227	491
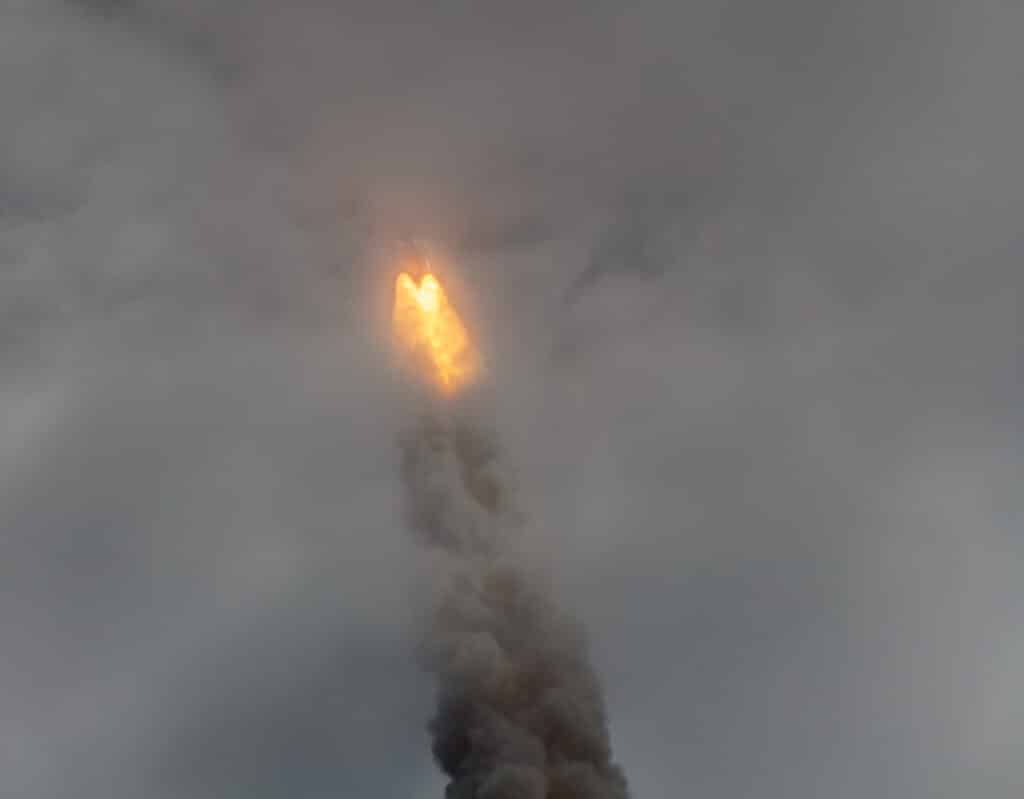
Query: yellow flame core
426	324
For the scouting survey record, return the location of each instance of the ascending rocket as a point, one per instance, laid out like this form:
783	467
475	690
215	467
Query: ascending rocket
427	326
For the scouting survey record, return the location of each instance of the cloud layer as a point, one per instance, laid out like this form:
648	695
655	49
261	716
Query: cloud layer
748	278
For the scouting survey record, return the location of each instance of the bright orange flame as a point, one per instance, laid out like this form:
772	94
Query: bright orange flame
426	324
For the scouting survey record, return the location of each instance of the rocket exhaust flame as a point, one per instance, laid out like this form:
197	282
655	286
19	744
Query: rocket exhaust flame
520	713
428	326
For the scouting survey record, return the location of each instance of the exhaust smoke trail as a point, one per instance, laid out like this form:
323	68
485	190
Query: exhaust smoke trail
520	712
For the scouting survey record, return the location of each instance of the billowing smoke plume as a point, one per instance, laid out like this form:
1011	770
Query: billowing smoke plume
520	713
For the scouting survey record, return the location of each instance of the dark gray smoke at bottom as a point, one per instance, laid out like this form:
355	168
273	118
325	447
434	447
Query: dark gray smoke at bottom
520	712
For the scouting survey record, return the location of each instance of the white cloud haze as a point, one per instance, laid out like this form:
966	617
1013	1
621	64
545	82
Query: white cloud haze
749	280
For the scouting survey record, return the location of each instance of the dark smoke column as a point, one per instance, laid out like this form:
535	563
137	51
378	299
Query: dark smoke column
520	713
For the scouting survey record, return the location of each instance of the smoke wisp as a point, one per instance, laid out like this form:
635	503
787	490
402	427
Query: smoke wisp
520	712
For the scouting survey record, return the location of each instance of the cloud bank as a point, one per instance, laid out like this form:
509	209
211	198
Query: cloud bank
748	281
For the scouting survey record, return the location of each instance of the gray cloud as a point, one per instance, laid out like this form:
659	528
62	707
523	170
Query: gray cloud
749	282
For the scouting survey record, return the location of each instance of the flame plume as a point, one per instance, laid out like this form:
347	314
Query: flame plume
427	325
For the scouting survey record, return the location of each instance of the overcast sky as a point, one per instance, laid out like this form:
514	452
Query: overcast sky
748	276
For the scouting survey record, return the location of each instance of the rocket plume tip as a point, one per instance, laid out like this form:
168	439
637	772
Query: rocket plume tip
426	325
